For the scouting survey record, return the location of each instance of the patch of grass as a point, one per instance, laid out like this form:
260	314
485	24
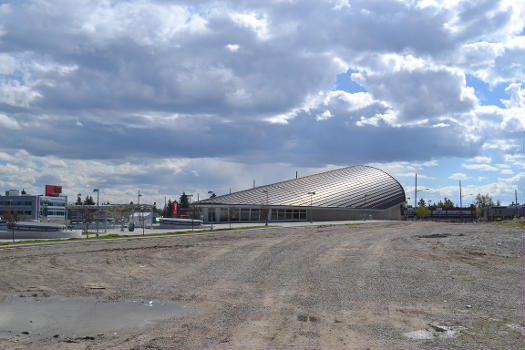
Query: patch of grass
519	224
115	235
493	334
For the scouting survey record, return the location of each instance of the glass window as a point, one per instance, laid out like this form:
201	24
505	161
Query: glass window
302	214
289	214
234	214
224	214
296	214
245	214
254	214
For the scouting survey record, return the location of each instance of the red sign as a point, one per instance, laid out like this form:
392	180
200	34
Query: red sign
53	191
174	208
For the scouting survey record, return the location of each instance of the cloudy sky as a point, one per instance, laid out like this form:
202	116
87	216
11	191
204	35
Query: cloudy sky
172	96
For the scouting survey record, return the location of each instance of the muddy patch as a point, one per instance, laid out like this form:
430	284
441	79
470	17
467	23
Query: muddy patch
37	318
435	235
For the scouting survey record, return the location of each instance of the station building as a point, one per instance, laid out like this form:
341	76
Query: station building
351	193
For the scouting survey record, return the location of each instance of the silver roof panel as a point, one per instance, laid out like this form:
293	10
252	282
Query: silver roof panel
357	186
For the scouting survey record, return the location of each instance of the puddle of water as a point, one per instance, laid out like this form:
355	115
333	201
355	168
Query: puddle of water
31	318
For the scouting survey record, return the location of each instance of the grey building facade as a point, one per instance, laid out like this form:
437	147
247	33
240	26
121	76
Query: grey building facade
33	207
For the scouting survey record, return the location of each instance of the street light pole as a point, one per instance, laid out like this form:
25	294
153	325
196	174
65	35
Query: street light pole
98	191
460	196
141	217
311	206
415	194
211	193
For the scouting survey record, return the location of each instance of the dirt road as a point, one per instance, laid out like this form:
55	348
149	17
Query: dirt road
369	286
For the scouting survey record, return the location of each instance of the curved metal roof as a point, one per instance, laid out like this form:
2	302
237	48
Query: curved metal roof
357	186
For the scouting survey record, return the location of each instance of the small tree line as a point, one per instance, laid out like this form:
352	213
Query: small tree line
481	201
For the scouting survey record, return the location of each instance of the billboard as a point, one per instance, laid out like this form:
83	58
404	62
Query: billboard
53	191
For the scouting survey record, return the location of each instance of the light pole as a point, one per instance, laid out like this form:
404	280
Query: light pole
141	217
79	195
96	219
311	199
267	207
211	193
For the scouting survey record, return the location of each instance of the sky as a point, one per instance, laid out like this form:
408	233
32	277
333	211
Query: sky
194	96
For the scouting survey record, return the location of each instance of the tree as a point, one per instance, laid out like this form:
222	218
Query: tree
167	212
421	203
23	192
421	212
483	201
79	201
448	203
87	217
184	202
89	201
11	217
498	203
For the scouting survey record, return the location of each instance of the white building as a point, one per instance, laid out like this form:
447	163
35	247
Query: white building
33	207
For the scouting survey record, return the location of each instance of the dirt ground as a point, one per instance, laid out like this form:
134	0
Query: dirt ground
367	286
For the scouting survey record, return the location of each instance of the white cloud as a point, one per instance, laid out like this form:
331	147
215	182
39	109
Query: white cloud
458	176
481	159
507	172
484	167
254	21
440	125
8	64
418	89
502	145
233	47
325	115
17	95
9	123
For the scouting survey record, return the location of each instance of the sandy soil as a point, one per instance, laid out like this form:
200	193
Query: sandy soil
362	286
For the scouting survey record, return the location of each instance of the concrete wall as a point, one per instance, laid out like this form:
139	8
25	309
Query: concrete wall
393	213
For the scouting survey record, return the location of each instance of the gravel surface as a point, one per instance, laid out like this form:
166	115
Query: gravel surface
369	286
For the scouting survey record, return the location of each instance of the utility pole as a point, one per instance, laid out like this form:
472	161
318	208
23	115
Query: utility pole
415	194
460	196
